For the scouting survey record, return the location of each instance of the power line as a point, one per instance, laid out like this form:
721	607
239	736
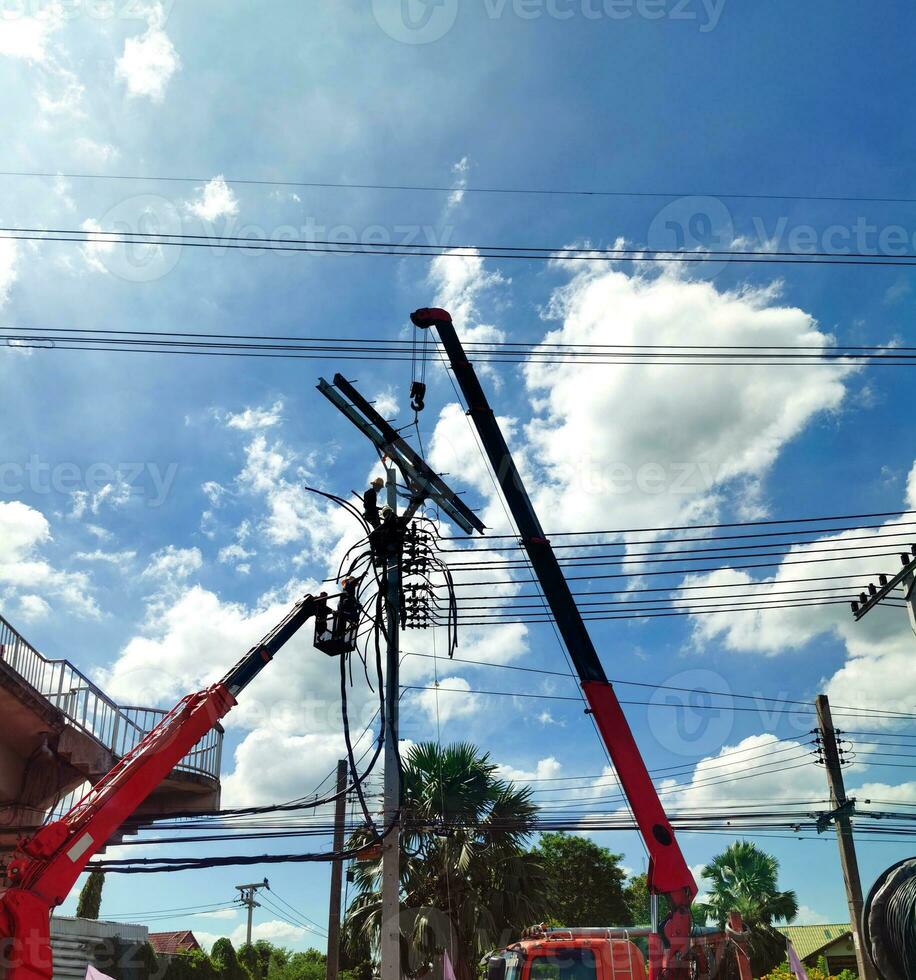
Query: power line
551	254
441	189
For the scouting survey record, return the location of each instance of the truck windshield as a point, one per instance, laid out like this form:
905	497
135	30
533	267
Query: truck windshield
567	964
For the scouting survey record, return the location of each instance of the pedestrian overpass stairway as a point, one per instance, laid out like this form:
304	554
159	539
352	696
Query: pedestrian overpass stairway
61	733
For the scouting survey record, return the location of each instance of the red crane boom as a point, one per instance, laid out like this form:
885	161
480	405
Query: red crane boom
668	874
45	867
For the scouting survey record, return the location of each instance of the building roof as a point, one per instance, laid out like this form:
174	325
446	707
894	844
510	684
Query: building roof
811	940
170	943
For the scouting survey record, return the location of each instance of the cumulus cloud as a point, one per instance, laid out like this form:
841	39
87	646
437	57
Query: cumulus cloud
216	200
8	257
441	705
460	173
97	246
275	931
386	402
24	532
173	564
106	557
877	672
148	61
460	283
663	444
256	418
33	608
28	36
233	553
292	514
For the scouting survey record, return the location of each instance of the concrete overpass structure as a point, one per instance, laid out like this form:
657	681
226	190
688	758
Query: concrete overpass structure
60	733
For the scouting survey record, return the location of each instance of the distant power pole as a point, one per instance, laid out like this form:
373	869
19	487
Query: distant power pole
391	846
844	833
248	893
340	809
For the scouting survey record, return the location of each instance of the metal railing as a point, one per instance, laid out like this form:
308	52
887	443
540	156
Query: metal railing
118	727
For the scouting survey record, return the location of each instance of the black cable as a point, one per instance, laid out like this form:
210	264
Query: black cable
436	189
80	237
697	527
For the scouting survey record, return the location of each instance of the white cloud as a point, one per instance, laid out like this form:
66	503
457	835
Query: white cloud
548	768
233	553
24	531
256	418
108	557
96	247
386	402
461	282
171	567
217	200
877	673
460	173
218	914
148	62
33	608
8	273
880	793
442	706
97	152
28	36
214	492
663	445
808	917
115	494
275	931
716	779
298	764
911	489
293	514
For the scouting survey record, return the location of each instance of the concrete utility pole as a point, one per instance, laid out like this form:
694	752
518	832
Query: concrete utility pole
844	834
391	846
340	809
248	893
423	485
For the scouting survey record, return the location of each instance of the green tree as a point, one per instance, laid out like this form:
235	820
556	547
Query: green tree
636	895
584	882
310	965
251	961
90	900
745	879
191	965
226	962
467	883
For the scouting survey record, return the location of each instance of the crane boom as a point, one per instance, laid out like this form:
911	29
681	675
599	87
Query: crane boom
668	872
46	866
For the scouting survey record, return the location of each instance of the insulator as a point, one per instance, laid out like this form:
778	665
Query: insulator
882	580
872	590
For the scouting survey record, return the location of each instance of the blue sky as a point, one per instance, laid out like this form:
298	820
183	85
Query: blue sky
131	578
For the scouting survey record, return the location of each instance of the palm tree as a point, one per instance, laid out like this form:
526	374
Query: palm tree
745	879
467	883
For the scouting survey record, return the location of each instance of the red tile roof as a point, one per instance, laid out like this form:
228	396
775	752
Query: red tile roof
173	942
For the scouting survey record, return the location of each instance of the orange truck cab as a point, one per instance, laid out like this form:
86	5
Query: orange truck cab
565	954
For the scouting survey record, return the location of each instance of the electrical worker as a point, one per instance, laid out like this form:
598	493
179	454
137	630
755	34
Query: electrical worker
370	502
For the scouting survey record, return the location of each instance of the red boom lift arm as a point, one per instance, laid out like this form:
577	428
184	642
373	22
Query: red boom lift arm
668	873
45	866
